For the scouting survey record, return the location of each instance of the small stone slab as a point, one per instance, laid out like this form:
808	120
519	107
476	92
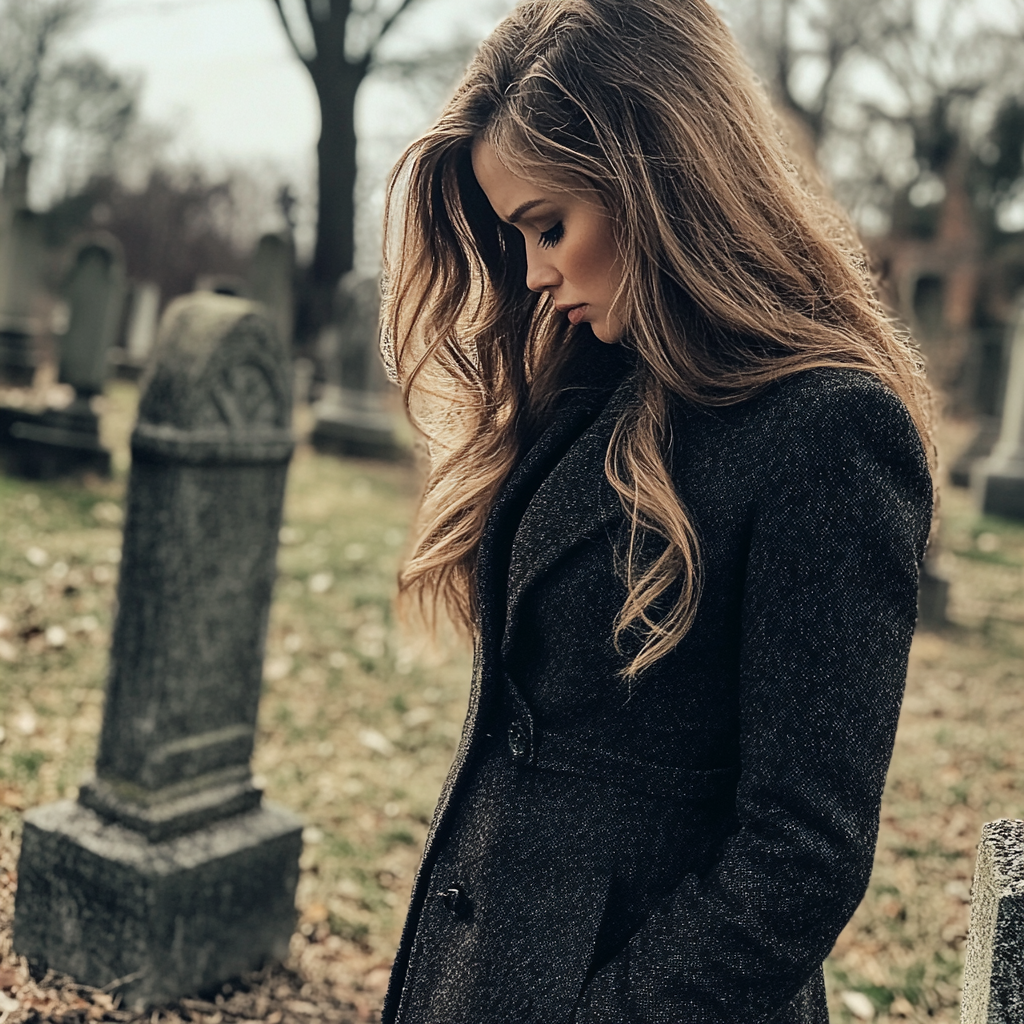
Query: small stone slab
994	967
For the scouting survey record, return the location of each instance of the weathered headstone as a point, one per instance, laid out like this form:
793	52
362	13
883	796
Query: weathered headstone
140	329
21	253
988	374
60	441
994	965
355	416
169	875
999	479
270	282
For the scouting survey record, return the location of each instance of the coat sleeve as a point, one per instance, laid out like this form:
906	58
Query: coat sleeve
840	522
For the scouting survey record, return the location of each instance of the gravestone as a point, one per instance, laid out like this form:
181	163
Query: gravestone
998	480
169	874
270	281
988	373
994	964
355	415
21	255
60	441
140	330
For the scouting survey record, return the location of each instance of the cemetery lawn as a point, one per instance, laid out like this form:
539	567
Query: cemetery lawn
358	724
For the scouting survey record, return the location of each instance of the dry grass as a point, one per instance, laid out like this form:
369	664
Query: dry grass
357	727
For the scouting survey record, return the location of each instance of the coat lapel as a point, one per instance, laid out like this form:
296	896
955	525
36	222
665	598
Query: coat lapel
575	501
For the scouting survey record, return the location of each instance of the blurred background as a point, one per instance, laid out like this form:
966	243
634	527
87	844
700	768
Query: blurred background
150	148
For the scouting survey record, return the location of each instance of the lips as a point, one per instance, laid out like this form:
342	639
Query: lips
575	313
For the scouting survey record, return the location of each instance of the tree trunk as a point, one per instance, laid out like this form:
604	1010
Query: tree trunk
336	159
15	183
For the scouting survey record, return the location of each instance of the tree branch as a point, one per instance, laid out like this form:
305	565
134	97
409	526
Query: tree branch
388	23
288	33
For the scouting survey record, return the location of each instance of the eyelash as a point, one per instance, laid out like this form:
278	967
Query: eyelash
551	237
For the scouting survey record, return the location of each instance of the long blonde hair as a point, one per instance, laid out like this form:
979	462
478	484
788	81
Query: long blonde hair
736	275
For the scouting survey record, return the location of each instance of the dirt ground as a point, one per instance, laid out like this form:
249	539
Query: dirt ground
358	723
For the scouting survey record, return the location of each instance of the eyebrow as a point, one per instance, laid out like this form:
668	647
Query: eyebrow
524	208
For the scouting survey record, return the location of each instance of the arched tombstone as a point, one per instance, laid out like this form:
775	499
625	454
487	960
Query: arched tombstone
61	441
21	258
998	480
270	281
169	875
356	415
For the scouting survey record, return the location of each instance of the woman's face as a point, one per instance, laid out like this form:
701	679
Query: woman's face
570	246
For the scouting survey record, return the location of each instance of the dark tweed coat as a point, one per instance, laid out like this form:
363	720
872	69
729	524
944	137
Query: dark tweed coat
686	849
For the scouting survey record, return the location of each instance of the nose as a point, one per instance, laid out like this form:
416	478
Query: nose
541	272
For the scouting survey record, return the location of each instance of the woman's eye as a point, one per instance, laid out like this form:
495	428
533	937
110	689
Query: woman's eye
552	236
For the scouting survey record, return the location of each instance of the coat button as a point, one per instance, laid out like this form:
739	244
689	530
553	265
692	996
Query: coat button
518	741
456	900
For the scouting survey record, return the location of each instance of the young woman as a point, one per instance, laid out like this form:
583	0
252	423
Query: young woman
679	494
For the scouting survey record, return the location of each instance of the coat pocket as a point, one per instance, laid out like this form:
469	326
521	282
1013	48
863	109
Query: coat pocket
553	751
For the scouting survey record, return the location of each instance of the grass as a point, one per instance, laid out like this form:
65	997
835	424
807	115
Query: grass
358	724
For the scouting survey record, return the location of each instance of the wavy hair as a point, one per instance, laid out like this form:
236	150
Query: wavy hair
737	274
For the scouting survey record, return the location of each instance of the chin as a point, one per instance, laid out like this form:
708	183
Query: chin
609	335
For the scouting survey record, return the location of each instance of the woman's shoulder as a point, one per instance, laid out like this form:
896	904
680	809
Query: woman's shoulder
819	421
807	402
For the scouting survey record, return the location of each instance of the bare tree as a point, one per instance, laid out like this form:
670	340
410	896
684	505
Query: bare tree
342	47
48	104
890	93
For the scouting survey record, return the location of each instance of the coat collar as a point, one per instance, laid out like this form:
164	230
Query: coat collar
558	496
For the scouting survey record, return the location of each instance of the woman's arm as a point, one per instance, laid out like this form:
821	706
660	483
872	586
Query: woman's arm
828	614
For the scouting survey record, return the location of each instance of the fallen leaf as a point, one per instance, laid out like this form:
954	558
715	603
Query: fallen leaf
858	1004
901	1007
314	914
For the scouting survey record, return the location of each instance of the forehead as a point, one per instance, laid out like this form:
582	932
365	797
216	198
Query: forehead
505	191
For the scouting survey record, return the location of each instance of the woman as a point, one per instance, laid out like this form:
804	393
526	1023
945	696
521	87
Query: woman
679	493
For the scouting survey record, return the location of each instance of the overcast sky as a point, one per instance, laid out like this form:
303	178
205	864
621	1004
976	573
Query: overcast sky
222	76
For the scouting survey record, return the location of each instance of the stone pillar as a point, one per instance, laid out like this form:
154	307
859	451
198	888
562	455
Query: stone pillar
21	253
998	480
994	966
355	415
270	282
169	873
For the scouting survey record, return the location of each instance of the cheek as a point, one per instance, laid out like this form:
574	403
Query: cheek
594	259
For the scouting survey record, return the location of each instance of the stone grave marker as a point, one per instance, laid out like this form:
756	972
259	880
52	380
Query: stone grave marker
994	964
60	441
270	281
140	329
169	874
998	480
988	370
356	416
21	255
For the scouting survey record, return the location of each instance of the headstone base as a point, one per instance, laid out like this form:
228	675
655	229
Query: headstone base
18	359
354	427
155	921
53	443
